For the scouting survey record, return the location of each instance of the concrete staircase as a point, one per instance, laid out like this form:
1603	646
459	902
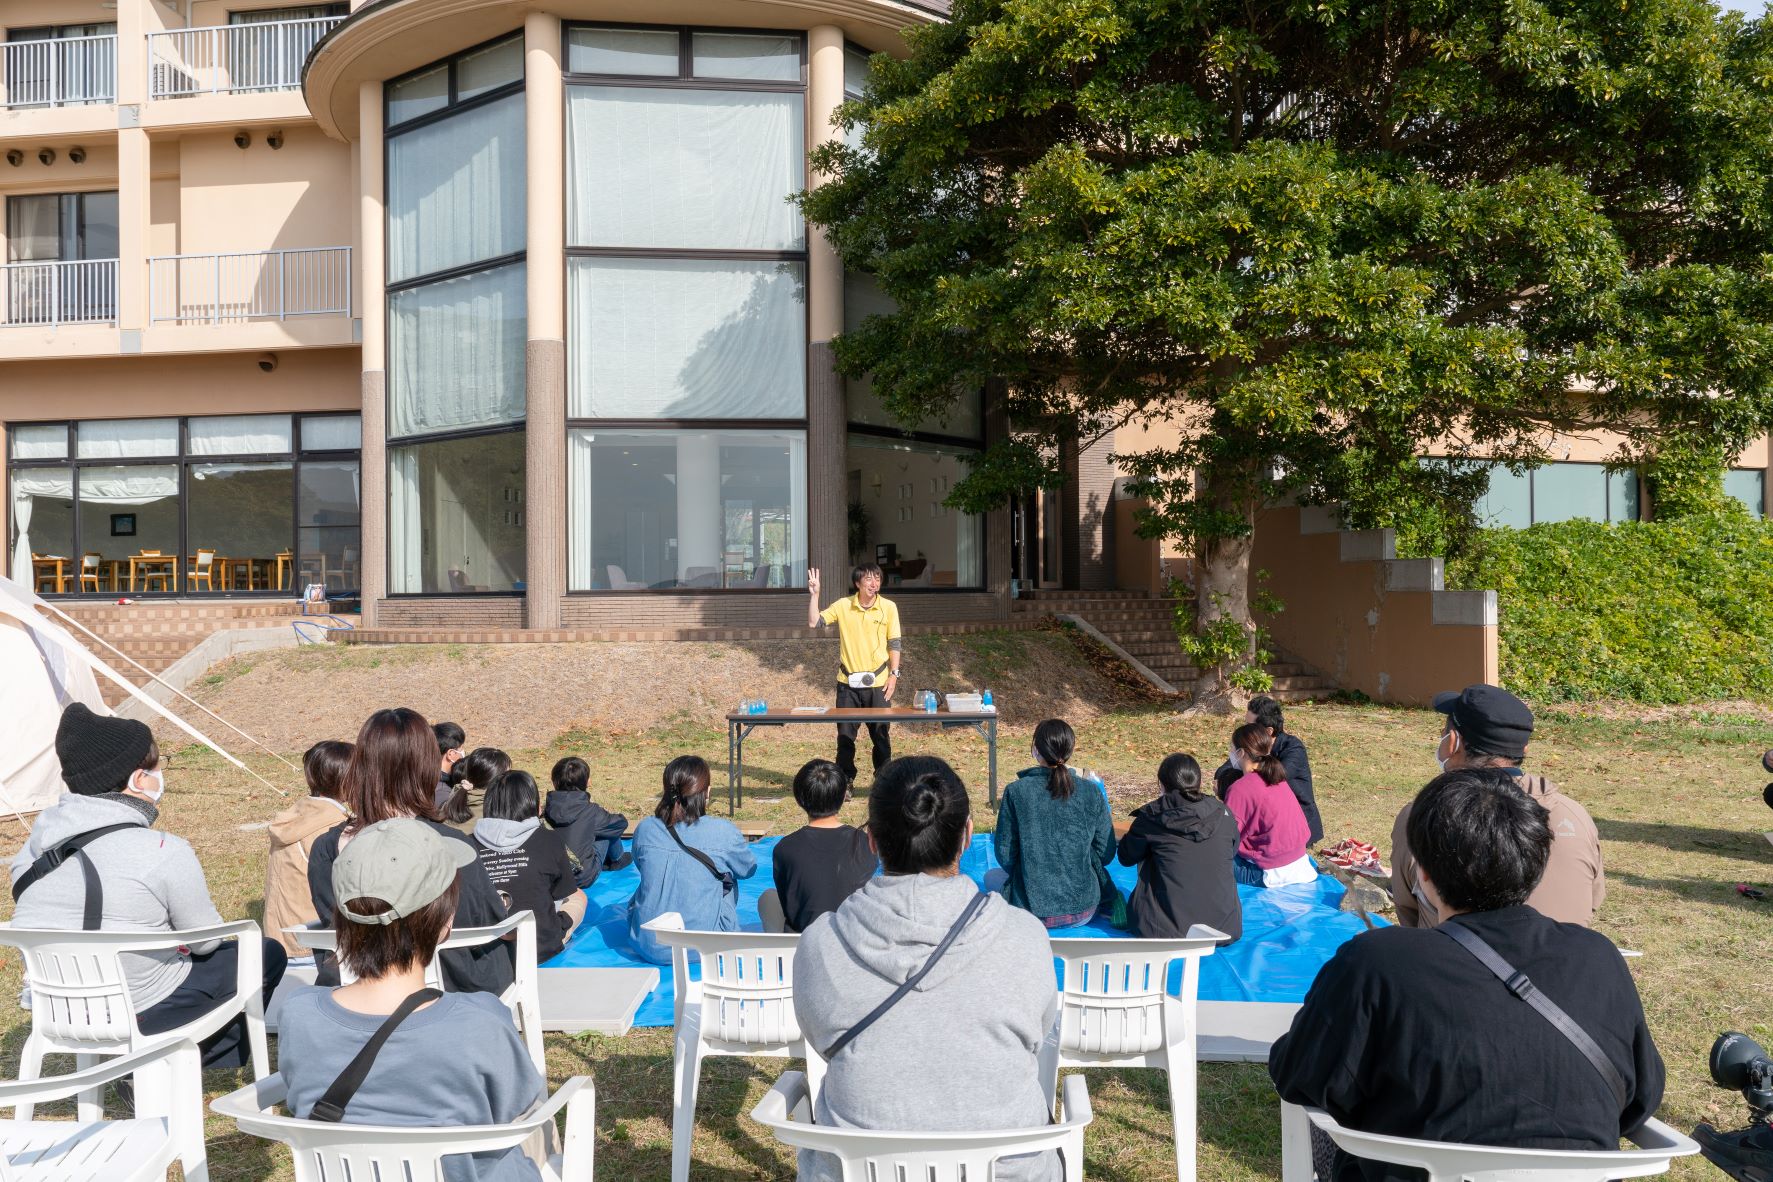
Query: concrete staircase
161	633
1141	625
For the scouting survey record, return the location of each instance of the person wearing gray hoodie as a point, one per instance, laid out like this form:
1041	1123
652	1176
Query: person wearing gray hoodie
959	1051
529	865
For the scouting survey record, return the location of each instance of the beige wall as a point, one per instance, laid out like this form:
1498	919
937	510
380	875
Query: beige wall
140	387
21	14
260	199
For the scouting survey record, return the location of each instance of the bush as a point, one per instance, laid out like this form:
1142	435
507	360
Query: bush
1659	612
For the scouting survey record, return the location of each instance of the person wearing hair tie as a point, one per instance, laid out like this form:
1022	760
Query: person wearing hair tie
870	652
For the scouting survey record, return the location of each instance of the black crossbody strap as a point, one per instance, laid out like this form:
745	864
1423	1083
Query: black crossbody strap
93	909
1522	987
330	1108
893	998
697	854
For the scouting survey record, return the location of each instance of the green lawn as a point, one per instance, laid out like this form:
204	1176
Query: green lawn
1677	801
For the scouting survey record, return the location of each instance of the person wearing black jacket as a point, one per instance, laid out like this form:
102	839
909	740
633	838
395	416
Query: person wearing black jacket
1405	1032
393	773
1182	843
591	832
1265	711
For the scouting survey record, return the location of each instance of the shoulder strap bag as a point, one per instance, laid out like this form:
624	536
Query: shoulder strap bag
93	910
1522	987
727	882
849	1036
330	1108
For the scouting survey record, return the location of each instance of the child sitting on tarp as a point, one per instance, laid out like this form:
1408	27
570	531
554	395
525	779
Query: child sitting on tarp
1182	843
591	832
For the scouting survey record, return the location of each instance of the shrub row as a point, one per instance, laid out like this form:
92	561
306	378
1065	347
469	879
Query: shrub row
1659	612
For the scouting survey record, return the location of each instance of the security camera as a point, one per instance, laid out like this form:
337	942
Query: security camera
242	140
267	362
15	157
274	140
77	155
46	156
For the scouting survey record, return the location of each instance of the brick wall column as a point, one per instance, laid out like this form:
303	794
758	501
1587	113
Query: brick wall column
372	307
999	522
545	394
827	417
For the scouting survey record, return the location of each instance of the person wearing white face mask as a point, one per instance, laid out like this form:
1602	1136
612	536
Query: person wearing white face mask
94	861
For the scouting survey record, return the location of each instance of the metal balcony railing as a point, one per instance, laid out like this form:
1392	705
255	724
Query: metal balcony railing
51	294
71	71
232	59
255	285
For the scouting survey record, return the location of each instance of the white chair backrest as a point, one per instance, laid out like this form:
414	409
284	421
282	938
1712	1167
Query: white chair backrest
1657	1145
867	1155
1112	991
90	561
326	1152
746	993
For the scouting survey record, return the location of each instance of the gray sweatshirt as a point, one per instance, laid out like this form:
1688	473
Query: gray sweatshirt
958	1052
152	883
458	1061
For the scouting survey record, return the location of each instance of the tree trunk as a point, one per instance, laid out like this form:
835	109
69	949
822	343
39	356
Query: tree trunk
1222	590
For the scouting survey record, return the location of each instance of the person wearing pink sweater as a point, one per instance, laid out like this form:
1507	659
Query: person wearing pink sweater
1272	830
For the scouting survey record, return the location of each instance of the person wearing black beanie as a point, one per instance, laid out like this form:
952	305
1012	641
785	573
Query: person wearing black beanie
149	881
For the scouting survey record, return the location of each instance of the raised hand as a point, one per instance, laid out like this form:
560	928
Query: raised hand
812	582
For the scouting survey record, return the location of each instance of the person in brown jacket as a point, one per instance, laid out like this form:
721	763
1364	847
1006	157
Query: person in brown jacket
1488	728
288	903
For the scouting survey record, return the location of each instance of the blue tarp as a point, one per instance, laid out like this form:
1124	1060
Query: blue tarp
1289	932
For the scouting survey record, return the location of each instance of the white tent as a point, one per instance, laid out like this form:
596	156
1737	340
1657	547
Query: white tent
46	668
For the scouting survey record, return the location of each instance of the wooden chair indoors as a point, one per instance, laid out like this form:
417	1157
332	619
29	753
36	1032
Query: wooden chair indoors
48	573
202	573
92	571
152	566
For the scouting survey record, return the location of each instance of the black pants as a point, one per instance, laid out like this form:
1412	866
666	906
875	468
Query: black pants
850	699
210	983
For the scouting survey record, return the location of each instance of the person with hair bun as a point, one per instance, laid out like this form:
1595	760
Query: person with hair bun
467	800
1183	843
689	862
1054	838
1272	830
959	1051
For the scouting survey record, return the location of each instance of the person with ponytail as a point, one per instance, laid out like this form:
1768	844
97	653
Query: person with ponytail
1054	838
960	1051
689	862
475	774
1272	830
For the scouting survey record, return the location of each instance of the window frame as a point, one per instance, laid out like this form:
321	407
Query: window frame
183	460
453	103
521	427
933	439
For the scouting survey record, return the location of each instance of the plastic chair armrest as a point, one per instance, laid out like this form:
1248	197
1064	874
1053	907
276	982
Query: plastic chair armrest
474	937
780	1102
58	1087
671	921
1656	1136
255	1099
124	941
1078	1112
1201	931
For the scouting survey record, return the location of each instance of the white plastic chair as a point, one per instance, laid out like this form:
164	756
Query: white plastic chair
868	1154
1446	1161
1116	1011
325	1152
80	1003
523	997
167	1127
619	580
743	1005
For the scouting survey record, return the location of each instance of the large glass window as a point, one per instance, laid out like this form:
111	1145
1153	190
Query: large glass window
457	323
695	509
455	512
1748	485
197	505
965	416
897	516
1558	492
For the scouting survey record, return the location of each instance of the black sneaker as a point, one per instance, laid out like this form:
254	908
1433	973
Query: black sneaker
1744	1154
627	859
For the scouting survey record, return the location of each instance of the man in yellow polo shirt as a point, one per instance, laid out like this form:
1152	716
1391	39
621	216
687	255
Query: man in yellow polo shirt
869	652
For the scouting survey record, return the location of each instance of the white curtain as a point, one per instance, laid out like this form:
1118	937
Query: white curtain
771	56
686	339
240	435
651	167
128	485
117	439
332	433
456	190
404	528
796	577
579	448
27	484
456	353
622	51
966	551
36	441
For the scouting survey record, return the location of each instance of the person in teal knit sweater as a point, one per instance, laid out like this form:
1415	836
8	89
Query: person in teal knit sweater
1054	839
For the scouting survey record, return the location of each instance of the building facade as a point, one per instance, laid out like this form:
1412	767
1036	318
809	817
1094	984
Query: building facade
496	314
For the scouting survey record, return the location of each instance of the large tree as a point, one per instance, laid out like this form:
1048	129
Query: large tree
1316	236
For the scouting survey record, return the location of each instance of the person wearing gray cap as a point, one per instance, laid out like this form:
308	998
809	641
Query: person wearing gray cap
397	884
1488	728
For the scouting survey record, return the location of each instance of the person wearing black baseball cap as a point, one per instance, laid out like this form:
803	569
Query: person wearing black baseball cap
1488	728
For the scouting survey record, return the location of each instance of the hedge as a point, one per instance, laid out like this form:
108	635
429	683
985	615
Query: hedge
1658	612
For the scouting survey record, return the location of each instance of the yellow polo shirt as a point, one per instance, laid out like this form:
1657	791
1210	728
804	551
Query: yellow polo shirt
863	632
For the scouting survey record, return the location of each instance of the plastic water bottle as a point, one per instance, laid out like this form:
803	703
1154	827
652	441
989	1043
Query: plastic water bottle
985	698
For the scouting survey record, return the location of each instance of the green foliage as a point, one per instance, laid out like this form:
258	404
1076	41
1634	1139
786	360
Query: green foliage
1232	650
1686	479
1314	238
1659	612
